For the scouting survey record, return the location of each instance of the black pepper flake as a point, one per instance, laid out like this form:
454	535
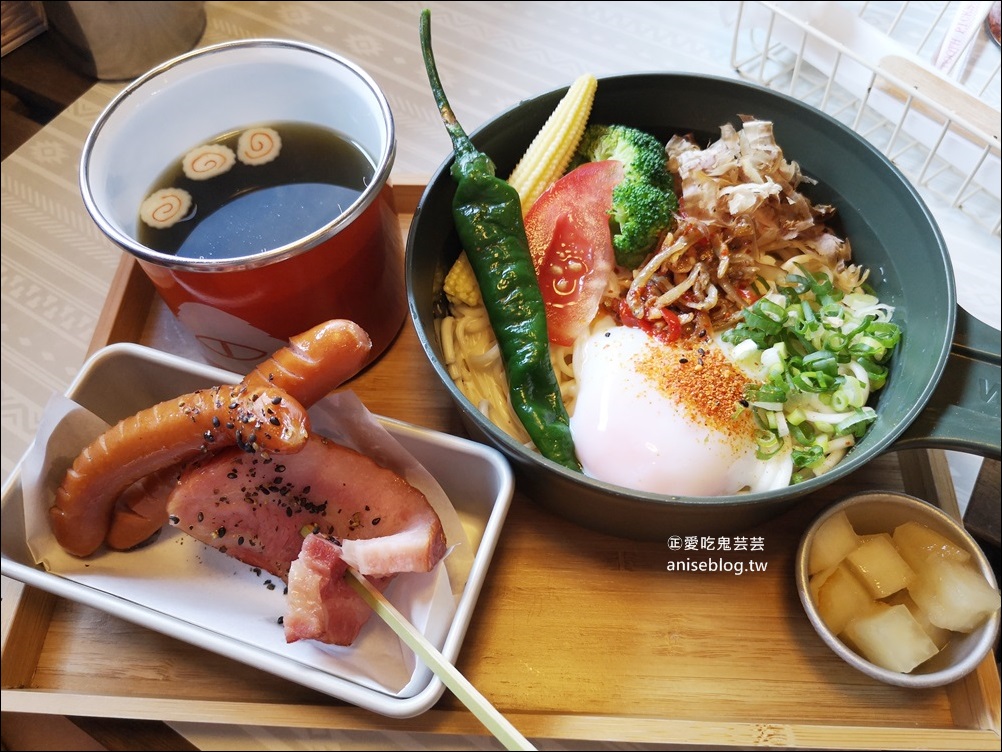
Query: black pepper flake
269	584
221	532
276	400
201	517
375	520
240	540
215	421
309	506
275	421
232	475
281	620
174	519
683	361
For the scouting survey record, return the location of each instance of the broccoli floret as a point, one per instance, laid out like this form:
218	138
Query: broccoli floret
640	214
642	155
644	203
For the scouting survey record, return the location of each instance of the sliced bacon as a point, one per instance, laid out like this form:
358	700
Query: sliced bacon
321	605
258	509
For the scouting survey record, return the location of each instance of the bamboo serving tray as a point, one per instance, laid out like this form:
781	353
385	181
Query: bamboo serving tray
576	636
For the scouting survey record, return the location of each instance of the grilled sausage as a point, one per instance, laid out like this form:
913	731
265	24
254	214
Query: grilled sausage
315	362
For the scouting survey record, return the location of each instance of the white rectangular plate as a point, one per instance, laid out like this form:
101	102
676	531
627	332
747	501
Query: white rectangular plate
122	379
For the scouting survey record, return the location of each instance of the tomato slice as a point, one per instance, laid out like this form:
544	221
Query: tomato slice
571	245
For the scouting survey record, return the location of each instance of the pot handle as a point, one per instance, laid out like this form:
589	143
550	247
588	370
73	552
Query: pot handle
963	412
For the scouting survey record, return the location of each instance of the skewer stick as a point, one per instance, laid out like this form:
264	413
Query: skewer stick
460	686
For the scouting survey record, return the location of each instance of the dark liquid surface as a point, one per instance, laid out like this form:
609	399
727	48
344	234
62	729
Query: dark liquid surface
253	208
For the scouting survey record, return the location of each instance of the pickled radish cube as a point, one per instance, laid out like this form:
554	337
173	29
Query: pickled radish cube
916	543
953	595
817	580
841	598
833	540
879	566
890	637
938	635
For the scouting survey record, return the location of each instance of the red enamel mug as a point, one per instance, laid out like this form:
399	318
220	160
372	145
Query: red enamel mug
244	304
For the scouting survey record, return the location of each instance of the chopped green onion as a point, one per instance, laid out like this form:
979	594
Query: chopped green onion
835	342
821	353
876	372
757	320
840	400
744	350
854	391
807	457
768	393
768	444
814	381
857	423
866	346
886	333
860	326
803	433
822	361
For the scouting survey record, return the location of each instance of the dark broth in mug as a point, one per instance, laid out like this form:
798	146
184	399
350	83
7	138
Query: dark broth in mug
234	197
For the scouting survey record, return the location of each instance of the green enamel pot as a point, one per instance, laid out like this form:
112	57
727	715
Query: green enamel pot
943	389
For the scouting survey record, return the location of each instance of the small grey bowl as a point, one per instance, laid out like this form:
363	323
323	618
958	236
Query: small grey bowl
882	511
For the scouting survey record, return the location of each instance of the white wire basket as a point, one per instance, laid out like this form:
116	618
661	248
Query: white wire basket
919	80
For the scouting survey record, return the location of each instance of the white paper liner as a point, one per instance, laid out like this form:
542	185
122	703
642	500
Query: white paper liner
182	578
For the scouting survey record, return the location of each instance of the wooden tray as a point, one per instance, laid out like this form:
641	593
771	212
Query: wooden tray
577	635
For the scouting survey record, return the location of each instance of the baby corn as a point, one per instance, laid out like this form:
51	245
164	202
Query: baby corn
460	284
551	150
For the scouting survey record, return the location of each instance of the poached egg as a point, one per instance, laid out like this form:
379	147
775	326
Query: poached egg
665	419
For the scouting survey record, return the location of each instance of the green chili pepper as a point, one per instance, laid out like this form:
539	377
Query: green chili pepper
488	216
